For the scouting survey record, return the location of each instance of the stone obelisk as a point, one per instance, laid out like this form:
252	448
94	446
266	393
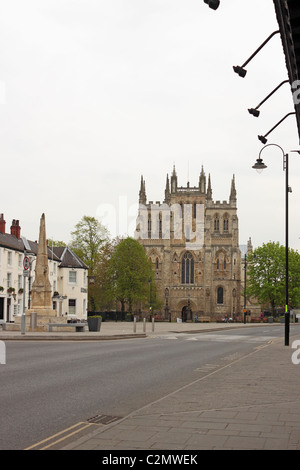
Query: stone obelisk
41	292
41	288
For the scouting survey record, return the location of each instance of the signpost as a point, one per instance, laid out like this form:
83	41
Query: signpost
26	263
26	266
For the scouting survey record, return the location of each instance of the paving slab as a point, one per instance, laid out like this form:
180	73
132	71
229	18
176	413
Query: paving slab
256	407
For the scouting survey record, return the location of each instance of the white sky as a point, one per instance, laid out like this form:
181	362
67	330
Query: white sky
96	93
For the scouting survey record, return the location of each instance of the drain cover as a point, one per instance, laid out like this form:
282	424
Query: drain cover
103	419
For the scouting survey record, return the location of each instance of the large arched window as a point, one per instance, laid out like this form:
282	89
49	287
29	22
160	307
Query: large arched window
220	295
187	269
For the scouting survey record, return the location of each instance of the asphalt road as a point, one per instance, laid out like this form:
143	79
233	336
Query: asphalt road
46	387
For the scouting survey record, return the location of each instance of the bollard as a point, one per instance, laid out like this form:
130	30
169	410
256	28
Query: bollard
134	325
152	324
144	326
33	320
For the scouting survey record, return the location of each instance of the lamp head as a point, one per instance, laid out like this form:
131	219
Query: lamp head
259	166
213	4
240	71
262	139
254	112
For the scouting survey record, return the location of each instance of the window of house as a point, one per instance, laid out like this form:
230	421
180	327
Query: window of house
73	277
72	306
9	284
187	269
9	258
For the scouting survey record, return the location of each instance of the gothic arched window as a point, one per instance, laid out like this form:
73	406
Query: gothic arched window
216	224
220	294
187	269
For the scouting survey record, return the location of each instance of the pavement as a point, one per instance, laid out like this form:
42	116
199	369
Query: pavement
251	402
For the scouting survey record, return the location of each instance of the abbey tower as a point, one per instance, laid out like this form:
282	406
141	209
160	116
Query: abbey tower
193	244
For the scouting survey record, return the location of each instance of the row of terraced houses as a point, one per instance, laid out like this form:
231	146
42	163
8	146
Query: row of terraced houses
68	276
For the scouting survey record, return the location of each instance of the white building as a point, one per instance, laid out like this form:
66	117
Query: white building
67	274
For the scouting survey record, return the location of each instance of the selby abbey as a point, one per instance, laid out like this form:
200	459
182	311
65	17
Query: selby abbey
193	243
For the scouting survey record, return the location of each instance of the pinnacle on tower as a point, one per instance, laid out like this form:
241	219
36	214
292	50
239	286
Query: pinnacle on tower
167	191
232	198
142	193
174	181
202	181
209	190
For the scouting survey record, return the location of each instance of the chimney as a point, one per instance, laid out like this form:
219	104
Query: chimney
15	229
2	223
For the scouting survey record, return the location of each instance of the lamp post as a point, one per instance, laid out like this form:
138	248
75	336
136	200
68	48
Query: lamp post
259	166
167	316
245	280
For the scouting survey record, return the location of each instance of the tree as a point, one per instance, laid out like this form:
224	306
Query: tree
100	292
130	273
88	238
88	241
266	275
52	243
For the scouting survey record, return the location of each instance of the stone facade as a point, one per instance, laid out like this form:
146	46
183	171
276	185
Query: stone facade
193	243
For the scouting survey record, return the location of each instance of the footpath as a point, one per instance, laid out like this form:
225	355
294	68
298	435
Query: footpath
251	403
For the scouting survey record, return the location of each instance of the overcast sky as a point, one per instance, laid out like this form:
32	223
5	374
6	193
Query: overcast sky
96	93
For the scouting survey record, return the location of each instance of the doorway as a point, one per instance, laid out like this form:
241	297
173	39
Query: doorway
186	314
8	305
1	308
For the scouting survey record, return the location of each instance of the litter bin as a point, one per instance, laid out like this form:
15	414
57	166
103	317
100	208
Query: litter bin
270	319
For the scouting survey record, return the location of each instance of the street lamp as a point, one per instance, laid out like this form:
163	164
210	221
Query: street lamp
263	139
240	70
259	165
167	316
213	4
245	280
254	111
